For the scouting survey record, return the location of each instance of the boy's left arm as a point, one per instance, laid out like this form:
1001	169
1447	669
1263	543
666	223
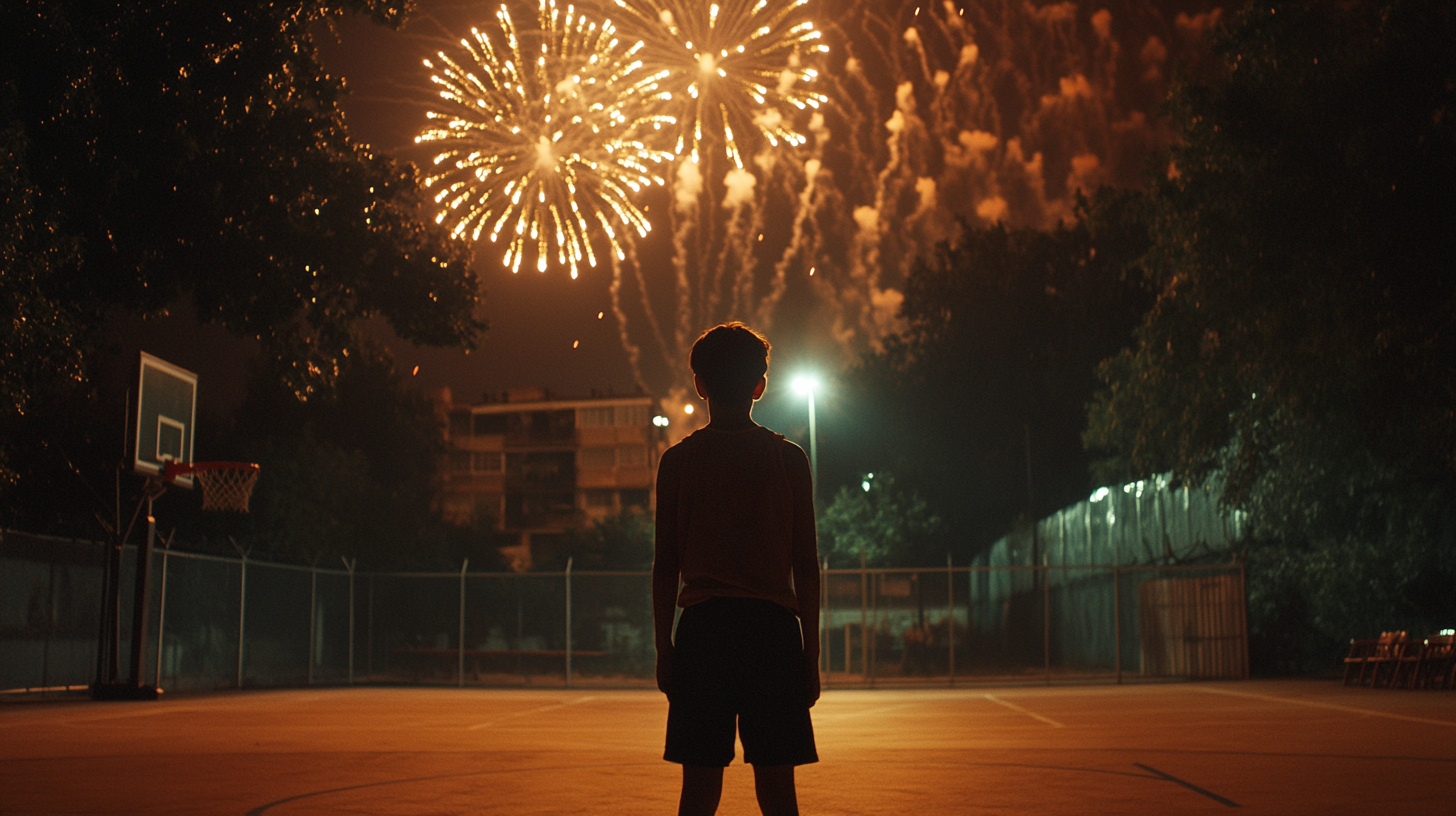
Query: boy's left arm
806	566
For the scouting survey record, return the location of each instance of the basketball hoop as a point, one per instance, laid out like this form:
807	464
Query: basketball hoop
225	485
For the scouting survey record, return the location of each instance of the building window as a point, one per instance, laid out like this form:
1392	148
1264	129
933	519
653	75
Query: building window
631	456
487	424
541	468
488	462
632	414
594	417
598	457
600	499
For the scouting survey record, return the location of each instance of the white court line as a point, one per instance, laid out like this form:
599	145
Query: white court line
1312	704
840	715
499	720
1048	720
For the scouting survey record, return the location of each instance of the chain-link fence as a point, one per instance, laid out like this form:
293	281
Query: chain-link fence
238	622
1013	623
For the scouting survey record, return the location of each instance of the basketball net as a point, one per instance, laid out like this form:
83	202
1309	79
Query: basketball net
226	486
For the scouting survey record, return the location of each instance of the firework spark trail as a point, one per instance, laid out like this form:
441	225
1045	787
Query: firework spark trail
651	313
730	74
723	66
686	192
794	250
996	111
634	352
544	143
745	223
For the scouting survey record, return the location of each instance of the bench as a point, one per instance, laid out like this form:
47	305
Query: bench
1396	660
1360	651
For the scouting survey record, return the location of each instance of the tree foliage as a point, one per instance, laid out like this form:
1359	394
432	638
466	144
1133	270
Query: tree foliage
166	151
1005	329
35	330
1301	343
620	542
354	473
198	149
881	524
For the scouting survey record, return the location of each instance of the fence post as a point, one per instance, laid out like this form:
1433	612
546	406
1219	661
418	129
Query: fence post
1117	618
864	641
242	607
162	607
1244	614
568	621
312	617
45	654
369	632
460	666
874	623
950	612
1046	617
139	604
349	565
824	619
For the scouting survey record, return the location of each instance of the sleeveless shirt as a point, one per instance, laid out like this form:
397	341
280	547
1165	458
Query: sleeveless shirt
735	517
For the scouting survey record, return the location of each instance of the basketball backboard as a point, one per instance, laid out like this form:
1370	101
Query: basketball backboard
166	415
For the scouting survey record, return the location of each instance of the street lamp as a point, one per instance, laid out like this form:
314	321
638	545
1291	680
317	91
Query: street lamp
807	386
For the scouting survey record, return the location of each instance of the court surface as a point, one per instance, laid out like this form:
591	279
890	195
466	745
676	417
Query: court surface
1190	748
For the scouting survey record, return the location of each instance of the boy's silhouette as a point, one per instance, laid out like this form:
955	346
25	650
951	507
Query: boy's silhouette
735	522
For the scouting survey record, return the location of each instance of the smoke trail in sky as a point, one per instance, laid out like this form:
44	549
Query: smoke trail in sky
977	113
937	115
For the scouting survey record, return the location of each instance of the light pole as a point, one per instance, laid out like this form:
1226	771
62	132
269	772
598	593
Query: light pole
806	386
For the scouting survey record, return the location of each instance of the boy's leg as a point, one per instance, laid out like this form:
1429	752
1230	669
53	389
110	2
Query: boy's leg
701	789
774	785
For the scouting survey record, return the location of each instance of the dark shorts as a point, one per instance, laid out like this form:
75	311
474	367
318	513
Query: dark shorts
738	665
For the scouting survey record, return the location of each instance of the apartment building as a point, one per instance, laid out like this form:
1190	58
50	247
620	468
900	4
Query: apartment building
528	463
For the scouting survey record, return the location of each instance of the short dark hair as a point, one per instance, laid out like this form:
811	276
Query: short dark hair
730	359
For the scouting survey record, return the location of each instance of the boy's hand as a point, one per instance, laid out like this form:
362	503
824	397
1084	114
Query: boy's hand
664	670
811	678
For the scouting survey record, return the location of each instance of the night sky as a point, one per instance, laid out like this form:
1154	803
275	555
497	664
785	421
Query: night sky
1070	83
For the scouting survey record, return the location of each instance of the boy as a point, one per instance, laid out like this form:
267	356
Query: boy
735	522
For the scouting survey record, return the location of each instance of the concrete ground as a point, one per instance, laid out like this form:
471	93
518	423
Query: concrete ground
1283	747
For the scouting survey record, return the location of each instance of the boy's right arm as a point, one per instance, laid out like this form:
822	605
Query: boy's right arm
665	566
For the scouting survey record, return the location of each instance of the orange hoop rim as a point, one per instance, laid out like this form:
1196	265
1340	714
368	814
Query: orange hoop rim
176	469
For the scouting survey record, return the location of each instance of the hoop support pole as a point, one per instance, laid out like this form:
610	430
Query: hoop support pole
139	603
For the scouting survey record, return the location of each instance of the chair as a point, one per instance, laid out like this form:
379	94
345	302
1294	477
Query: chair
1438	661
1387	650
1409	657
1360	651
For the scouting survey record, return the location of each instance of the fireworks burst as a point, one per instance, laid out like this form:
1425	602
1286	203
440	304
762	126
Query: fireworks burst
543	133
724	67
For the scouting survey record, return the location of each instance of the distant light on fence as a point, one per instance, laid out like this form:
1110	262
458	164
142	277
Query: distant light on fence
660	421
687	409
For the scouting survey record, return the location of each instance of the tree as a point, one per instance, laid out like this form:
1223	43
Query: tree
195	149
164	150
991	376
1300	346
620	542
35	330
881	524
353	473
